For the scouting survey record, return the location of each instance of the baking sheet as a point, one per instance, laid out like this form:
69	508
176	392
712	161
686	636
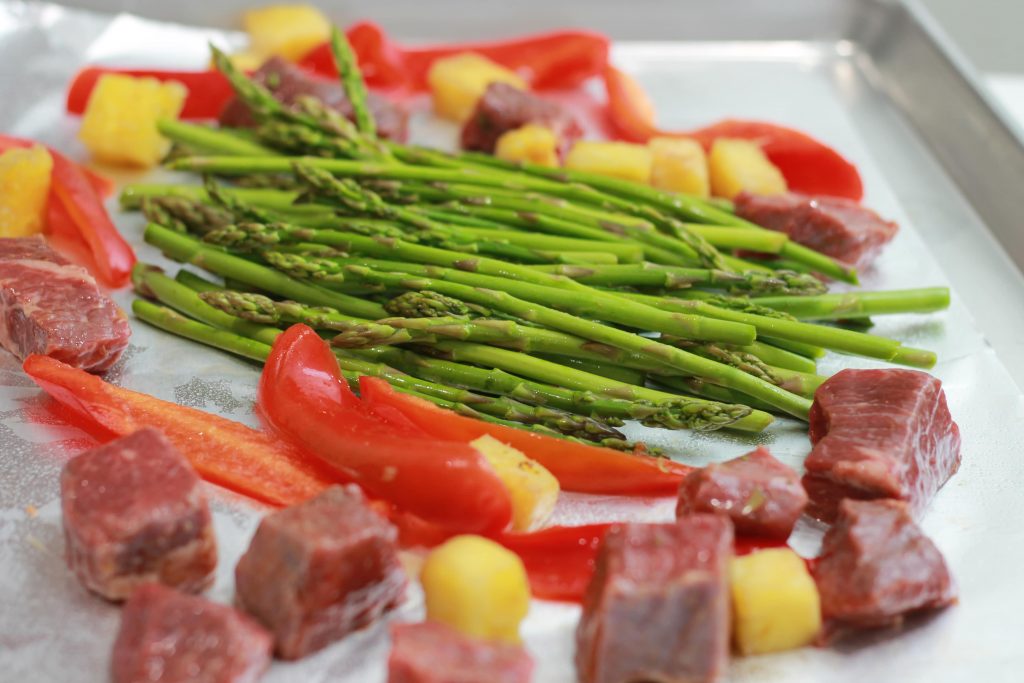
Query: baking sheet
819	87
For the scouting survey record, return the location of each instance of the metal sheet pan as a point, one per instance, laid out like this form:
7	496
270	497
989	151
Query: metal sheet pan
856	83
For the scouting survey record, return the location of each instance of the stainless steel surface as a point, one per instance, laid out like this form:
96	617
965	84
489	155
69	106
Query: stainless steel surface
838	88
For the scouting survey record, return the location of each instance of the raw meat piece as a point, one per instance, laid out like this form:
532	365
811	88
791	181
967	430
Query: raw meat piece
762	496
877	566
317	571
288	82
171	637
657	607
52	307
503	107
841	228
435	653
134	512
879	434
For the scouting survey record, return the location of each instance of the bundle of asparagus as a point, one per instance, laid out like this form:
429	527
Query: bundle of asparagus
541	298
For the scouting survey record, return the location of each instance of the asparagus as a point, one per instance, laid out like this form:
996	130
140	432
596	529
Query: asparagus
364	334
187	250
209	139
549	317
764	241
860	304
667	277
591	303
352	82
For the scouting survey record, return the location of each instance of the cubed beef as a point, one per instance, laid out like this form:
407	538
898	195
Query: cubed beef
320	570
762	496
503	107
435	653
170	637
52	307
288	83
657	607
879	434
134	512
877	566
841	228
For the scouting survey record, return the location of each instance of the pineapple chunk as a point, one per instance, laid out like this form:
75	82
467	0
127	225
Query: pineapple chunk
119	124
741	165
679	165
477	587
244	60
532	143
24	188
619	159
290	31
457	82
775	602
533	489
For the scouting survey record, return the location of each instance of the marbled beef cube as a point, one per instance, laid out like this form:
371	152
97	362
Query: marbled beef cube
134	511
762	496
170	637
432	652
317	571
503	107
879	434
841	228
657	606
877	566
289	83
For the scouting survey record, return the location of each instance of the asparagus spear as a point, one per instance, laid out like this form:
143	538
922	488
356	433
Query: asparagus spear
352	82
591	303
859	304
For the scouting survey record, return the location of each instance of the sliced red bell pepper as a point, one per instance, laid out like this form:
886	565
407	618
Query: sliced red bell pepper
808	165
73	187
222	451
208	91
302	395
577	466
559	560
556	60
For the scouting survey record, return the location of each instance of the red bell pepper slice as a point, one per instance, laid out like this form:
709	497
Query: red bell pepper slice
559	560
208	91
302	395
809	166
556	60
224	452
577	466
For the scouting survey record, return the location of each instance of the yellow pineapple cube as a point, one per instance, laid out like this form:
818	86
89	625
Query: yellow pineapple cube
741	165
618	159
679	165
533	143
775	602
244	60
24	188
534	490
477	587
290	31
119	124
457	82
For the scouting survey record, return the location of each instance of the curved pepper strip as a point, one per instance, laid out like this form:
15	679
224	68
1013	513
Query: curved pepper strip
577	466
224	452
208	91
302	395
809	166
555	60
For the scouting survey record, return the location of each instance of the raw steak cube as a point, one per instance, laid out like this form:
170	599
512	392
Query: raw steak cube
877	566
841	228
317	571
879	434
503	107
657	607
134	512
289	83
435	653
171	637
762	496
52	307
